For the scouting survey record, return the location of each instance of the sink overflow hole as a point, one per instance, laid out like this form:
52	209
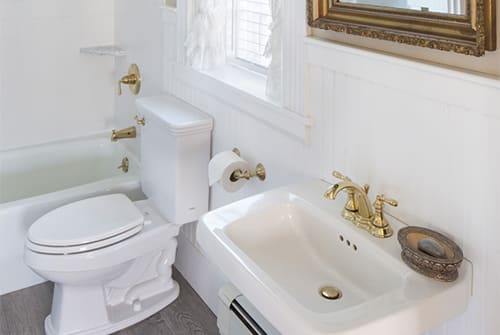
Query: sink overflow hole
349	243
330	293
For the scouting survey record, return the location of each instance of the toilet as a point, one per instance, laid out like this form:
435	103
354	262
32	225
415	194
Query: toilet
111	258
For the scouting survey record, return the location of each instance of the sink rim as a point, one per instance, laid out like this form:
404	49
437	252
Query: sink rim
263	291
329	263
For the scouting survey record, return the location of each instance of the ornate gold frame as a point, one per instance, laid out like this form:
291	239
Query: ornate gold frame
469	34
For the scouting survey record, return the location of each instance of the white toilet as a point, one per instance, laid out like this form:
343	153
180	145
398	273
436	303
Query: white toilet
111	258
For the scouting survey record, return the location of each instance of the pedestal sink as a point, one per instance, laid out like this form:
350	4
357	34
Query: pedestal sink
288	248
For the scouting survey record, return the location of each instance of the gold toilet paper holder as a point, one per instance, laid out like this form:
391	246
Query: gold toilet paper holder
260	171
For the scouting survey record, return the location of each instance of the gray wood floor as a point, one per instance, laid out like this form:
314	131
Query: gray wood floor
23	313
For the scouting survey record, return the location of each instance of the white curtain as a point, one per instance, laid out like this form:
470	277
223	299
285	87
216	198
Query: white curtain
205	43
274	49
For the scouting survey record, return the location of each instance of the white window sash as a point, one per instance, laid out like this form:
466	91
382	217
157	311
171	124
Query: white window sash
293	40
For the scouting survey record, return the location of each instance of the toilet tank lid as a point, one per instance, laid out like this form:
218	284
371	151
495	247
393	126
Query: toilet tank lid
86	221
178	115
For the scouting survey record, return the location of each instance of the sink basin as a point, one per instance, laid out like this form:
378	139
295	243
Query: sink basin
282	247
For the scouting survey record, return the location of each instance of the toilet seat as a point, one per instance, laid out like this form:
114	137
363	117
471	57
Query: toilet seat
76	249
85	225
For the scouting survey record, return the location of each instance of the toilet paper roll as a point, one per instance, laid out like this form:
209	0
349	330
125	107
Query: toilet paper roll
222	166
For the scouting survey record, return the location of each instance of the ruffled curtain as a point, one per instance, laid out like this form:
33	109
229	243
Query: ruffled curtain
274	49
205	43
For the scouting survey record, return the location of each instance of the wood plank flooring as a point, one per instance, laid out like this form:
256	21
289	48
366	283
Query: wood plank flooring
23	313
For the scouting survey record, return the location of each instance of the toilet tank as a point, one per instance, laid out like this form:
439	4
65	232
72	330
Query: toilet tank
175	151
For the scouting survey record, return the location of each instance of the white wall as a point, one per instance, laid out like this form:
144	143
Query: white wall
424	135
428	137
139	30
48	90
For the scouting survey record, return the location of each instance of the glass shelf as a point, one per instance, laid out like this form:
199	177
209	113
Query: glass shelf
104	50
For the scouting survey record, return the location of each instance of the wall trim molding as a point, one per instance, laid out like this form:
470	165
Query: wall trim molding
473	77
437	83
265	111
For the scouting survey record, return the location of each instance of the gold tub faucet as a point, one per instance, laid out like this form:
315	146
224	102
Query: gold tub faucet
358	208
129	132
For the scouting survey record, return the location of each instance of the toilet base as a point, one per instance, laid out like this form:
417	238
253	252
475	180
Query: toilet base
124	314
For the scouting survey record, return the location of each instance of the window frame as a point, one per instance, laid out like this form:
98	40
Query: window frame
288	115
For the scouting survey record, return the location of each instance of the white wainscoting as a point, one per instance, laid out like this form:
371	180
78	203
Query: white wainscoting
429	137
425	135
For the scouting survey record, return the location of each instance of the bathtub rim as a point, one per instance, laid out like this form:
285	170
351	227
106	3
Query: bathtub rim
104	134
128	180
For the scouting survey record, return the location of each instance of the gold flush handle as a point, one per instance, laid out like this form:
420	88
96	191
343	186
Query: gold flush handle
132	79
140	121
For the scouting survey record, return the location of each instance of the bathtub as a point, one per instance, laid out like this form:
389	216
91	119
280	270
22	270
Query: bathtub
37	179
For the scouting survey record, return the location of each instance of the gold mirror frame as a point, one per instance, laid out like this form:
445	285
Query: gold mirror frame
469	34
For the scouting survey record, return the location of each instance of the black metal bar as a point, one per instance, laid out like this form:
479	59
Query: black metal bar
246	319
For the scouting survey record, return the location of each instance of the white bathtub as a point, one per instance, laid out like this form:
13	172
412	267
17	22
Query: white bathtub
35	180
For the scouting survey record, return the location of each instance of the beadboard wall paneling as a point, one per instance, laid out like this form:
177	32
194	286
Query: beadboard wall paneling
425	135
437	154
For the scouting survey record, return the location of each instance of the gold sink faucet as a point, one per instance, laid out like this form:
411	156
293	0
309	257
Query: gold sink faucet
358	208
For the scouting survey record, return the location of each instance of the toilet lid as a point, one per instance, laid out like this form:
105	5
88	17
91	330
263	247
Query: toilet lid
87	221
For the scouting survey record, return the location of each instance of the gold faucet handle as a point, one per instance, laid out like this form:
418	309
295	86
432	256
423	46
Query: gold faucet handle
379	220
381	199
132	79
340	176
366	187
381	227
125	165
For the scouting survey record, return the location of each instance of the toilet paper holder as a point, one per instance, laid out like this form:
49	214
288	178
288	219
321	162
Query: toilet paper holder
260	171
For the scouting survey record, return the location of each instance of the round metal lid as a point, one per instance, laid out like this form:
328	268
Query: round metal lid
86	221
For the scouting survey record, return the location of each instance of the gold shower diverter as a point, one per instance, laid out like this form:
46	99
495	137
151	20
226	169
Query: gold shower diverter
132	79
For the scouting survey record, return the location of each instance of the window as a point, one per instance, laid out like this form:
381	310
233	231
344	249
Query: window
248	33
242	34
212	33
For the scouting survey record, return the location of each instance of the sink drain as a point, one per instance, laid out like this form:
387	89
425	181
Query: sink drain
330	292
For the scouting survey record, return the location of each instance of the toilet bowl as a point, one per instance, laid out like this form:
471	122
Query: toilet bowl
110	258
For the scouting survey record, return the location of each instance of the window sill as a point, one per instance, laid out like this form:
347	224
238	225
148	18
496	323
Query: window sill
242	79
245	91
